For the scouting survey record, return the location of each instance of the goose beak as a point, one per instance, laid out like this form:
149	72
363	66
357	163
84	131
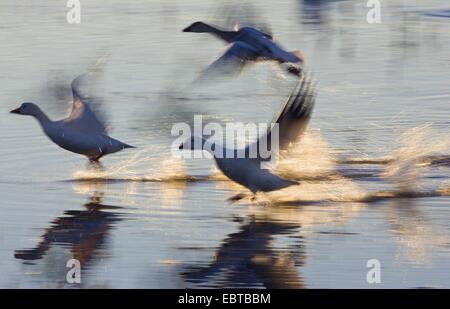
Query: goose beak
15	111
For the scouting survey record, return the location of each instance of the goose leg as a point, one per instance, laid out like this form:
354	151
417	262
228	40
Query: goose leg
97	158
95	163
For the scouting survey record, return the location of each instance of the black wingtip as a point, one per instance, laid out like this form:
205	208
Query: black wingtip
304	101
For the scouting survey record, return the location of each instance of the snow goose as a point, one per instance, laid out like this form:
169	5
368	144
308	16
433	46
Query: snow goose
248	44
81	132
247	171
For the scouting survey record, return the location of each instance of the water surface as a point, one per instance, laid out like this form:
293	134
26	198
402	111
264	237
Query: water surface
374	166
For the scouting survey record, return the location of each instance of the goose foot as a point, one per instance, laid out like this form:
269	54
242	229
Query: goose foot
295	70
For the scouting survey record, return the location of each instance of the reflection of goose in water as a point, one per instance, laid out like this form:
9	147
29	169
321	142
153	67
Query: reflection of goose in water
82	231
445	13
247	259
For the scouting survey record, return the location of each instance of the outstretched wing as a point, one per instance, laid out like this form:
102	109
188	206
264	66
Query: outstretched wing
293	119
82	115
234	59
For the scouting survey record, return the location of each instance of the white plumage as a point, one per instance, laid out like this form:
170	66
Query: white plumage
292	122
81	132
247	44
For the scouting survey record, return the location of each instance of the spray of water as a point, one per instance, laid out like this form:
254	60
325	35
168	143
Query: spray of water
409	162
311	161
310	158
142	166
314	164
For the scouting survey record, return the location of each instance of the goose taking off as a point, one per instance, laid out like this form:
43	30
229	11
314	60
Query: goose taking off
81	132
248	44
247	171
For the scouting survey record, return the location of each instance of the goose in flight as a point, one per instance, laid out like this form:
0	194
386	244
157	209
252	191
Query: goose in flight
81	132
248	44
246	170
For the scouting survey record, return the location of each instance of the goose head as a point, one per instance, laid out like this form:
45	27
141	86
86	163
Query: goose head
198	27
27	108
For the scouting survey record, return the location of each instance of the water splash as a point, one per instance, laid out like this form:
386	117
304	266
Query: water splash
337	190
405	171
142	166
314	164
311	157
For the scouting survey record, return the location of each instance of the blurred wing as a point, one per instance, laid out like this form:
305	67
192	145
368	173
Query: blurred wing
241	50
82	116
293	119
240	14
234	59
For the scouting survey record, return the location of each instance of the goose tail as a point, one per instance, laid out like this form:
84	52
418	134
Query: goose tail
280	183
287	183
127	146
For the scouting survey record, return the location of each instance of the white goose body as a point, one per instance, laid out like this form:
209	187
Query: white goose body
264	45
248	44
92	145
81	132
247	171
